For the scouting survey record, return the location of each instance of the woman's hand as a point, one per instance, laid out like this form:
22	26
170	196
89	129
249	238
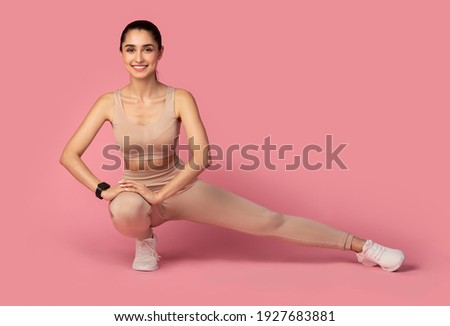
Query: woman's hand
151	196
111	193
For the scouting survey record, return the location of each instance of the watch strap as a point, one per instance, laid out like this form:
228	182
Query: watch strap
100	187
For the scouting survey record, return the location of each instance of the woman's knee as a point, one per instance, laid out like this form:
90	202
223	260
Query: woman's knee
270	223
129	209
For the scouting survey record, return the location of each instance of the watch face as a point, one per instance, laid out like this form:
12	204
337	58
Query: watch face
103	185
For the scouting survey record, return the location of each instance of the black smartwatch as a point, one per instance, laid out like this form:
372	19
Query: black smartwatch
100	187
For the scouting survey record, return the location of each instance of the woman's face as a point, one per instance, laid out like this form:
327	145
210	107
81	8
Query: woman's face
140	53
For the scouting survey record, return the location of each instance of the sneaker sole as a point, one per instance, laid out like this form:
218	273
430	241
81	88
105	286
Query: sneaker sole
392	269
144	270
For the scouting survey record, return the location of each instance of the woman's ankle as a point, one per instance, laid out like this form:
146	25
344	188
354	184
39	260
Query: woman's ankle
357	244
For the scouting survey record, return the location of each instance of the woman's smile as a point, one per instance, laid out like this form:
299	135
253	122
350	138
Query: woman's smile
139	68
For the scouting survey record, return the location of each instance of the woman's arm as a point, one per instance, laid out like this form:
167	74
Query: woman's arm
186	109
82	138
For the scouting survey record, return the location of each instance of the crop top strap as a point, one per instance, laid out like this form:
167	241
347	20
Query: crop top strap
118	111
171	101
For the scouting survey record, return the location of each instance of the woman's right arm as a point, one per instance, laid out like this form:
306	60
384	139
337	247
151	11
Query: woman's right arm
80	141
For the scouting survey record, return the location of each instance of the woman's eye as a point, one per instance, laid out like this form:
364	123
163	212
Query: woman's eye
130	50
148	50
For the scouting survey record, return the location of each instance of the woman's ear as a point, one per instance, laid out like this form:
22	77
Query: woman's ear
161	52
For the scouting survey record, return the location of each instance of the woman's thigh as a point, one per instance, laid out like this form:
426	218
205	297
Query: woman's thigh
207	203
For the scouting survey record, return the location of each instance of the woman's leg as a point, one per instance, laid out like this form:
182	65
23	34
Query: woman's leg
134	217
206	203
130	215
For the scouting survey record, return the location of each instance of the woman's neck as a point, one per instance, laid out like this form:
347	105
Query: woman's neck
143	88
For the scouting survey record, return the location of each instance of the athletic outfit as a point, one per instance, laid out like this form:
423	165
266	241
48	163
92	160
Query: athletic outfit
199	201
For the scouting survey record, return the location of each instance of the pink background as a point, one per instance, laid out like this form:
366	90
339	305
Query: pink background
375	75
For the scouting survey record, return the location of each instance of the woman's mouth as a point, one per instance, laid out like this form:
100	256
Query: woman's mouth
139	68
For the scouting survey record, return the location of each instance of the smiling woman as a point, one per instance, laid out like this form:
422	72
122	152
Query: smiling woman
148	112
140	50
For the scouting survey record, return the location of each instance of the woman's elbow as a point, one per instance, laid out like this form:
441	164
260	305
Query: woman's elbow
202	162
67	157
206	160
63	159
207	163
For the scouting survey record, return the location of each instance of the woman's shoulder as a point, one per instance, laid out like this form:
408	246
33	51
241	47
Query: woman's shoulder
182	95
184	101
104	105
106	98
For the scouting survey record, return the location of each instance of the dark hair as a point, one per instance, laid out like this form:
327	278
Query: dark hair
142	25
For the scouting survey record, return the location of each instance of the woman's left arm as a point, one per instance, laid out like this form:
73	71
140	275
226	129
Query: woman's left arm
186	109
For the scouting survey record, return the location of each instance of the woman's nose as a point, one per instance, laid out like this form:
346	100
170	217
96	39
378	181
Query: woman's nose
139	56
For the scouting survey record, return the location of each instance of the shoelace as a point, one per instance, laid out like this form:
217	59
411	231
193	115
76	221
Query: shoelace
375	252
145	248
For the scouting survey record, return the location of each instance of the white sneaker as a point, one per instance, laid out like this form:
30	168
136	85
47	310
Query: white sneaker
374	254
146	258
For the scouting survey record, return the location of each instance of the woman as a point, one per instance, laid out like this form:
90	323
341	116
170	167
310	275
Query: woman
146	116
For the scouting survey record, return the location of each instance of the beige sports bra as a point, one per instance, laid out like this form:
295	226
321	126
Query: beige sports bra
156	140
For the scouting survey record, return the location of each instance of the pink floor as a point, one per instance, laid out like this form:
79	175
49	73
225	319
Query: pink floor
82	260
